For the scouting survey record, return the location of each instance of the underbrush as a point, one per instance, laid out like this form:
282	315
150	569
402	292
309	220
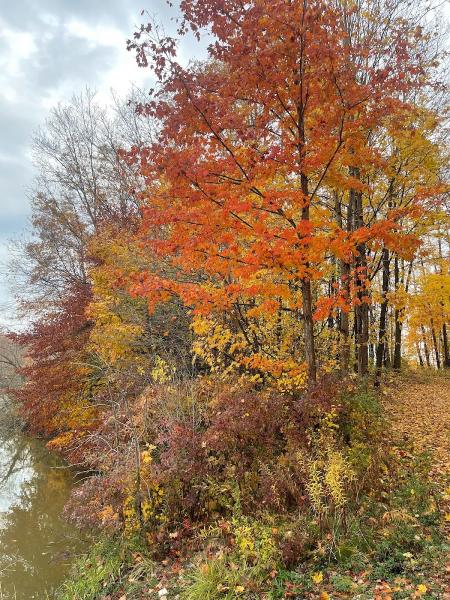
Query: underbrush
391	546
115	566
249	494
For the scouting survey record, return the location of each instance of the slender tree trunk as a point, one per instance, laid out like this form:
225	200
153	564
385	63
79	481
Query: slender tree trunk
362	307
387	355
444	326
419	355
382	342
398	324
392	340
425	347
310	351
331	286
435	344
445	344
309	330
344	325
308	324
372	350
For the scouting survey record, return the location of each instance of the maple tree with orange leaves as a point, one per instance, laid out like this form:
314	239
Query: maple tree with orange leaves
290	111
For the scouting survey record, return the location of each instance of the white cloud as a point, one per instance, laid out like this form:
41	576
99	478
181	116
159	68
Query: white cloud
18	47
94	35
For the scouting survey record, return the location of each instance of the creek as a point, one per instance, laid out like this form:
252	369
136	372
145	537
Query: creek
37	545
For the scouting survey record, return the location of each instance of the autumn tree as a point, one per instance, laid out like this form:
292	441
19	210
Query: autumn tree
81	185
289	106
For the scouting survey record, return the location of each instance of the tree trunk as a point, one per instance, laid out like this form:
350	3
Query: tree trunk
308	324
398	324
425	347
362	307
387	355
382	343
419	355
310	351
331	292
435	344
445	344
344	325
444	326
372	320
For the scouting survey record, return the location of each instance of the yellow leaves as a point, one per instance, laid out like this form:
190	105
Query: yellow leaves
149	503
112	336
76	413
201	326
255	542
146	457
328	477
229	352
338	472
324	596
162	372
108	516
328	472
429	306
130	515
61	441
317	578
398	298
244	540
118	319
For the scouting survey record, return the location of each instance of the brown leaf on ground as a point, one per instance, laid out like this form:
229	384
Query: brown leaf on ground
419	410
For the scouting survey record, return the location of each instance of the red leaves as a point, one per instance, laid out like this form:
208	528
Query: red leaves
53	346
229	167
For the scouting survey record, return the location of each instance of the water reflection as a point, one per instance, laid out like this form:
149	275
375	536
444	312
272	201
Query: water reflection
36	544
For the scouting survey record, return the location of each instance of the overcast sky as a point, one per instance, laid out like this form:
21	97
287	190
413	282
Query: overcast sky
50	50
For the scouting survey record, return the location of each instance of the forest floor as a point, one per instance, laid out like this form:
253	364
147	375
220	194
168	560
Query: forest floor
410	556
418	407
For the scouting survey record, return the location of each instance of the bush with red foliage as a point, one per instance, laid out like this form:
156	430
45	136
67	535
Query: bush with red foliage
244	441
53	345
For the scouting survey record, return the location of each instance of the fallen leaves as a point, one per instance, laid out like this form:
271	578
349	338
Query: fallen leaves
419	411
317	577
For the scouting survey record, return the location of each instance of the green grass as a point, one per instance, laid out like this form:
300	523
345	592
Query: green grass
112	565
214	581
94	573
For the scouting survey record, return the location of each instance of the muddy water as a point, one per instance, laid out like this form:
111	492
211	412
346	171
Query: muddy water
37	546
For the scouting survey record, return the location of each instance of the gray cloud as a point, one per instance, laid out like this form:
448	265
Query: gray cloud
28	13
50	50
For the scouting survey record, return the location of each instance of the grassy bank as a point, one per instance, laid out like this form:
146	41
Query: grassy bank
387	542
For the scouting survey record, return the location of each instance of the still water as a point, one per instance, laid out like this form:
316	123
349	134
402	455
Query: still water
36	545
